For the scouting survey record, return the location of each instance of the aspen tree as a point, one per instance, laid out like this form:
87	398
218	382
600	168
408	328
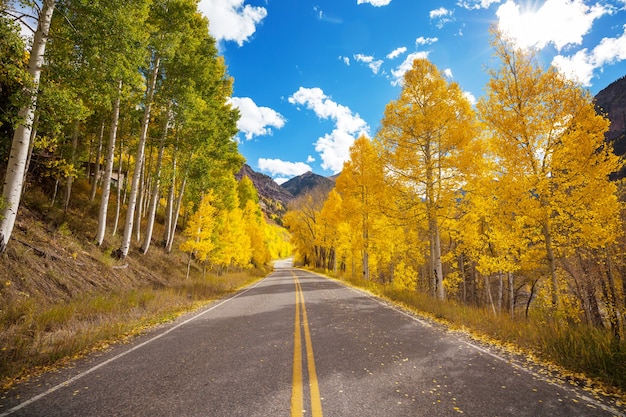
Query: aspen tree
422	137
554	164
16	169
360	185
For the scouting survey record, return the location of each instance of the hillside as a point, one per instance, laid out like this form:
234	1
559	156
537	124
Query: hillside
611	101
306	182
274	198
61	295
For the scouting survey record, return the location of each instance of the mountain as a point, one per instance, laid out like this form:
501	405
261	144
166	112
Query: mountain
273	198
611	101
306	182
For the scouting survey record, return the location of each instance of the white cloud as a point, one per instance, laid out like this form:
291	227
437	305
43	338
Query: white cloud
582	64
476	4
470	97
399	72
448	73
442	11
345	59
425	41
375	3
310	159
334	148
281	180
255	120
396	52
441	16
283	168
372	63
230	20
560	22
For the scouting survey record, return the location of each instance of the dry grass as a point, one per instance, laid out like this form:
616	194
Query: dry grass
592	356
62	296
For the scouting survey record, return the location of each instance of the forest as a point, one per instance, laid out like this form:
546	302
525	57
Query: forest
133	97
507	207
120	208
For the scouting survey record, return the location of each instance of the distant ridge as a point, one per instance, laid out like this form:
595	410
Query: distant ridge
611	102
274	198
306	182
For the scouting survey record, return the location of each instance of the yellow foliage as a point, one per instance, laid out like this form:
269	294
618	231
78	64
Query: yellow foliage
405	277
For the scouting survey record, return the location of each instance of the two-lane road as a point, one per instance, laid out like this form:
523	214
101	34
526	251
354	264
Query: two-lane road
298	344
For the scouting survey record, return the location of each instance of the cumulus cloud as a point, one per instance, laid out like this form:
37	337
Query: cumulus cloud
448	73
425	41
310	159
476	4
230	20
470	97
398	73
255	120
558	22
283	168
334	147
373	64
375	3
440	16
396	52
582	64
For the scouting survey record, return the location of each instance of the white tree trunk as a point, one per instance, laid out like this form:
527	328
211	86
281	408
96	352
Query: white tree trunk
108	169
169	209
140	198
154	202
14	179
170	242
96	175
437	264
134	188
118	190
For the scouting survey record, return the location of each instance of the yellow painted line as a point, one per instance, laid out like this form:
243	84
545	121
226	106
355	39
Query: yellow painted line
296	390
296	394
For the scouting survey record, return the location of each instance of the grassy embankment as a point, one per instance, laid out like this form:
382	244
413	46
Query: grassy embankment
587	356
61	296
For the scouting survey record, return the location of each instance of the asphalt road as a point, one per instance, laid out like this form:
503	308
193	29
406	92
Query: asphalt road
298	344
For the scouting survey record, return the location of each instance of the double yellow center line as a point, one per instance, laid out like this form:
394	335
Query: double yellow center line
297	406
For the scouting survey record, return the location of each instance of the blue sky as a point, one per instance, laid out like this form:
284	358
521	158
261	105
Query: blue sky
312	75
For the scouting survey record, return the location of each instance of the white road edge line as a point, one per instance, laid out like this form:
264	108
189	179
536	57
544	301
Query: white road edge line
114	358
424	323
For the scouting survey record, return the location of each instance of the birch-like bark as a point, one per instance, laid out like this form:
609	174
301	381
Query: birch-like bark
108	168
139	160
169	209
16	168
140	197
118	190
154	202
96	175
170	242
547	234
511	295
436	259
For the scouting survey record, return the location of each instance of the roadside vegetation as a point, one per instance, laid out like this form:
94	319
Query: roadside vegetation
578	353
505	218
120	208
62	296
